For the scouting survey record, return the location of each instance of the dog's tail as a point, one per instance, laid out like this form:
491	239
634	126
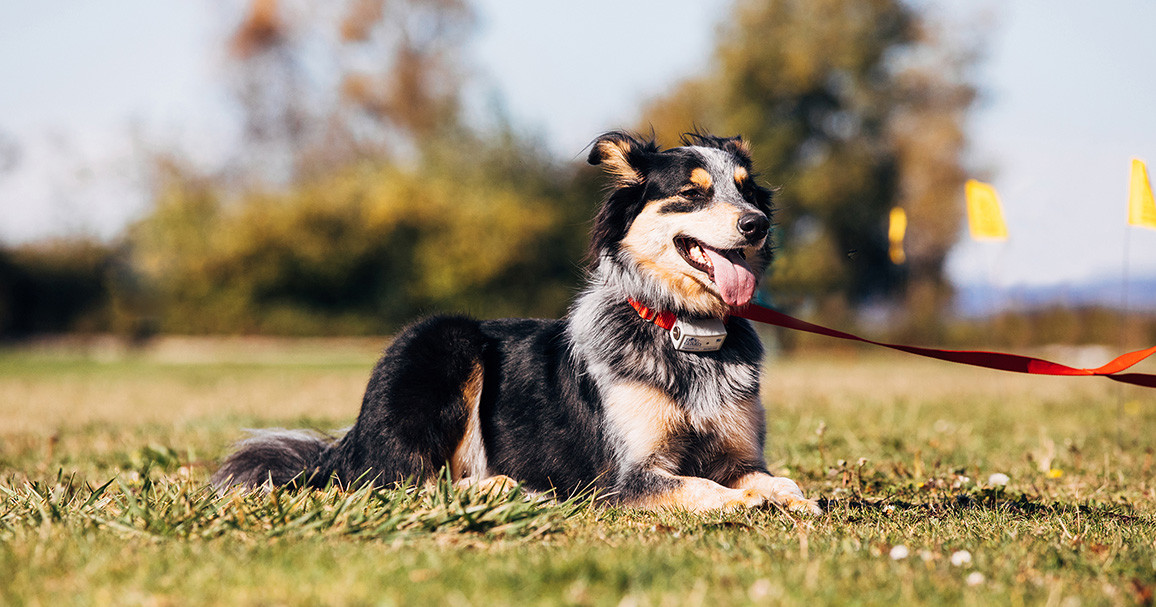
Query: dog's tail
273	457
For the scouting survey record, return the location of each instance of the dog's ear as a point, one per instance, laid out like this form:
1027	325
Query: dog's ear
737	146
734	145
622	155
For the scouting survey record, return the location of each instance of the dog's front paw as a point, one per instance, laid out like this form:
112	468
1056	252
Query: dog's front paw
802	506
782	491
491	485
702	495
721	499
741	498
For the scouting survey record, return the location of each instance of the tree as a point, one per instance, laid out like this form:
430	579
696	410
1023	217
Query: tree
853	106
325	84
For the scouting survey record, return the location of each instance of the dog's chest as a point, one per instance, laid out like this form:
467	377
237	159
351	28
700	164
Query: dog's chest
706	387
648	422
620	348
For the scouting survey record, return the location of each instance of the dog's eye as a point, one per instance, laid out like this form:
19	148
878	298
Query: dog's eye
747	189
694	193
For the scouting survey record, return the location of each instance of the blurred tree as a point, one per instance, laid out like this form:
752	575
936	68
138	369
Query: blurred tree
854	106
54	286
323	84
486	227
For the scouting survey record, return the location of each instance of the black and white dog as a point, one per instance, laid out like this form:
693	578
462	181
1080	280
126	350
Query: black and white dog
648	391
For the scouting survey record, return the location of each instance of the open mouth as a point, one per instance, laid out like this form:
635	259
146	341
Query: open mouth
726	268
695	254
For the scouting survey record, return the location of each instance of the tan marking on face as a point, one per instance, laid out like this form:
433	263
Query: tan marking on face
701	178
615	163
741	175
642	417
469	459
695	494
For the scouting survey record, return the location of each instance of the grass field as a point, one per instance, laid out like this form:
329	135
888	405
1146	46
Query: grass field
104	457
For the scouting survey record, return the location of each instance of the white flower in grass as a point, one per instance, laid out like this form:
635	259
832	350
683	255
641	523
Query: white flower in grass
959	558
899	552
975	578
999	479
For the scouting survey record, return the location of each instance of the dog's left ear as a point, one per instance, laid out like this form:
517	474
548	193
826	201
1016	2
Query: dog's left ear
622	155
738	146
735	145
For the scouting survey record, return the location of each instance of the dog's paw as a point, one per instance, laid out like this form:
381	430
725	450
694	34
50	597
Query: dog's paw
743	498
783	492
802	506
491	485
724	499
702	495
712	496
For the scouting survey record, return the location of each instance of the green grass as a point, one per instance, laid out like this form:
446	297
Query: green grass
104	459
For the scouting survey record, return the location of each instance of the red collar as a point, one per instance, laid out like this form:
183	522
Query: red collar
663	318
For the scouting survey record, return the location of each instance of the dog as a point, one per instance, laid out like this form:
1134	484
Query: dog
647	392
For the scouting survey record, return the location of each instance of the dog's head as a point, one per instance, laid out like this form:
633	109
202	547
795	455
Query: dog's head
687	226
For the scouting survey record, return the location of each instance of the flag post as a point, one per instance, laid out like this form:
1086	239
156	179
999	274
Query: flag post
985	221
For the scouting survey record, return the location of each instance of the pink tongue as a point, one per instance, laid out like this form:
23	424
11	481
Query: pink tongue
733	276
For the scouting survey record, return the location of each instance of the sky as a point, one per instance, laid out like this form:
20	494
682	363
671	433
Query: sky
1067	97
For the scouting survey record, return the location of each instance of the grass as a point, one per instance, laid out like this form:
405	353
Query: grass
104	457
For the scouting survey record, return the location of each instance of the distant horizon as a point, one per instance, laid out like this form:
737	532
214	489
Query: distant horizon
975	300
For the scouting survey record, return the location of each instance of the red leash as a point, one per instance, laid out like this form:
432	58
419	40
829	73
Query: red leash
989	360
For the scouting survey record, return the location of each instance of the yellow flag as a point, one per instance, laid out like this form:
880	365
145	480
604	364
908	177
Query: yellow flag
895	234
1141	207
984	214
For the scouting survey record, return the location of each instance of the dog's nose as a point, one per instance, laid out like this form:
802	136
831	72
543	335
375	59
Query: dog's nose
754	226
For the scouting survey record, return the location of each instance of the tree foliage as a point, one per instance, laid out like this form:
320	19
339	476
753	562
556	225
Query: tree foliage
853	106
55	286
364	249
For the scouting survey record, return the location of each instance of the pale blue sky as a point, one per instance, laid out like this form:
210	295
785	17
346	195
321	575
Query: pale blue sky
1068	96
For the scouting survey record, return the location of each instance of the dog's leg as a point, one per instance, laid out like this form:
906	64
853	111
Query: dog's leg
656	489
778	490
469	462
420	408
644	419
740	462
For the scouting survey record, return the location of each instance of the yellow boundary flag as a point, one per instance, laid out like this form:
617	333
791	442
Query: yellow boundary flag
984	214
895	232
1141	207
